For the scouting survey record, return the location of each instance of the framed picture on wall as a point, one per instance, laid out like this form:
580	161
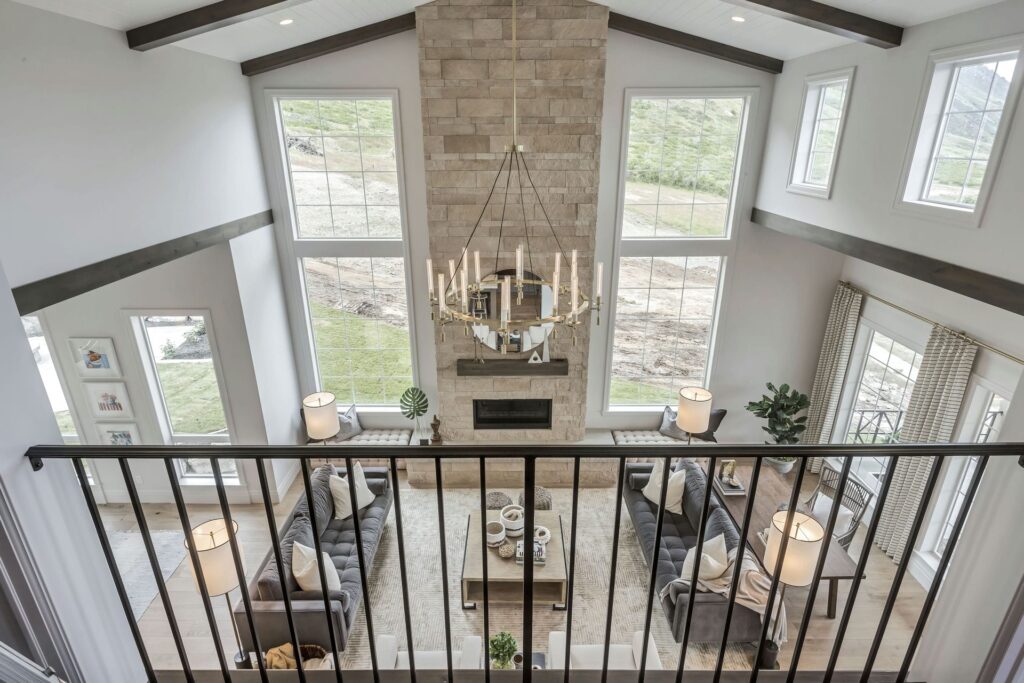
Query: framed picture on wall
108	400
94	357
119	434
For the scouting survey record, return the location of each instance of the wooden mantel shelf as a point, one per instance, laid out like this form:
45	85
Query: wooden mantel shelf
510	367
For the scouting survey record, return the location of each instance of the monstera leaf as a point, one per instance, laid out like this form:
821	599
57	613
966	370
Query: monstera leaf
413	403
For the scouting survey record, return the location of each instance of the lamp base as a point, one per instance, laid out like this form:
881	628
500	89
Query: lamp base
769	656
242	660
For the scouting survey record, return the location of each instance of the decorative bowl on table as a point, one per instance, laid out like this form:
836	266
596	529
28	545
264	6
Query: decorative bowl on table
495	534
513	517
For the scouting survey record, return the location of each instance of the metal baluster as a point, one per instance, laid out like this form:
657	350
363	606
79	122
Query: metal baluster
529	500
737	565
572	566
236	555
940	571
812	591
611	575
655	557
311	508
115	573
777	574
275	544
401	570
444	567
484	555
197	571
154	563
908	552
360	555
699	549
862	563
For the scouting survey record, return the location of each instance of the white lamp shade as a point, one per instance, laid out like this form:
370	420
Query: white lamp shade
321	412
694	414
214	550
802	551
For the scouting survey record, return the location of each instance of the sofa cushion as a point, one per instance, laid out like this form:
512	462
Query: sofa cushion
268	585
696	489
323	502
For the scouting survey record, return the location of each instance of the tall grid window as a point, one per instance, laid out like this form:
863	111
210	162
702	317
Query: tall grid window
821	126
678	181
665	311
681	165
883	394
959	159
342	161
359	316
342	167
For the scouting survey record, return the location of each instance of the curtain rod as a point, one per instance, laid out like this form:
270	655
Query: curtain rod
980	344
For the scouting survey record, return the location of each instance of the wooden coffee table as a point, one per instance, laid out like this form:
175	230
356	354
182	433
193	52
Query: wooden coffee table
774	489
505	577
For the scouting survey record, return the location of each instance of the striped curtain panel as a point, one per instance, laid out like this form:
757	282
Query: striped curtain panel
931	416
833	361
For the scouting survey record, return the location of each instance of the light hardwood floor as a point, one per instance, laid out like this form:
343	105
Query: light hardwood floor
420	516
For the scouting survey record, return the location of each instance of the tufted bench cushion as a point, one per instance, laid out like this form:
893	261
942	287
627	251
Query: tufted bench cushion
383	437
628	437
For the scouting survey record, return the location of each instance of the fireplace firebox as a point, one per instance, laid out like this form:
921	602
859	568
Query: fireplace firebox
512	413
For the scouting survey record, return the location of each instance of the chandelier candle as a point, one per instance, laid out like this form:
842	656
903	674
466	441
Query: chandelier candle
430	279
555	284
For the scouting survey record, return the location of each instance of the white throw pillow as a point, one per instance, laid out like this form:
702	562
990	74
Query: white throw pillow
674	494
306	572
340	493
714	560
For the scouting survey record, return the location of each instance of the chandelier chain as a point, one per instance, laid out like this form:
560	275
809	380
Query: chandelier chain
522	204
483	211
501	223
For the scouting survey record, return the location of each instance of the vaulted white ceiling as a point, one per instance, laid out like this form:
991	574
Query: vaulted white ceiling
315	19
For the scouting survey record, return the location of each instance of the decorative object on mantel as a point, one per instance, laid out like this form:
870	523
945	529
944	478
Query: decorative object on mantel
535	358
458	298
435	426
784	427
694	413
320	411
414	405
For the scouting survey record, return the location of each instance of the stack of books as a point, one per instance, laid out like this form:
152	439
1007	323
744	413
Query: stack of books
540	553
734	488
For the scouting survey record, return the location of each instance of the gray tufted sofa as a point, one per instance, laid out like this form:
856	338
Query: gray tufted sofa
337	539
678	536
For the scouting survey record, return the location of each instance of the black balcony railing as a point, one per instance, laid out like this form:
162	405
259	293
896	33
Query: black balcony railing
875	426
530	456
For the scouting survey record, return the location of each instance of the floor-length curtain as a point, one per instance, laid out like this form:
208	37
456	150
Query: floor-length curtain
833	362
931	416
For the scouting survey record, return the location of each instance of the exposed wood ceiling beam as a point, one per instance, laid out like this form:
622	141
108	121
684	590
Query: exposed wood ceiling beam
831	19
991	289
202	20
686	41
325	46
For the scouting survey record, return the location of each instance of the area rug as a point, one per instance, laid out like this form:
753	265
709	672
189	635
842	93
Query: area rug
422	545
136	570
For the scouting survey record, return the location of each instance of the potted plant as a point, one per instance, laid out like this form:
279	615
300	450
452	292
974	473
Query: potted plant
781	409
414	405
503	649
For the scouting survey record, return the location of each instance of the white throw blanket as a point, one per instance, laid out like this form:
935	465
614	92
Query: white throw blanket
752	591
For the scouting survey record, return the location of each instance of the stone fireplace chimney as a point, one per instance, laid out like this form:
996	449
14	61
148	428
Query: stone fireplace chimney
466	86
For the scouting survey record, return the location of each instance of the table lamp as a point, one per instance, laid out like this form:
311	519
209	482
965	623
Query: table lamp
694	416
806	539
321	413
210	540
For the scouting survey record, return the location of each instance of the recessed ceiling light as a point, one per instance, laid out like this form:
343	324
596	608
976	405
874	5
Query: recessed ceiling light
739	19
285	22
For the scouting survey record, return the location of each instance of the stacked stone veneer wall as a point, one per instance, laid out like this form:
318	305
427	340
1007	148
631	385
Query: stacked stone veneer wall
466	84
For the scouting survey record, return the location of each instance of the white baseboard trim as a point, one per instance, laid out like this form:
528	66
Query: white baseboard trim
922	569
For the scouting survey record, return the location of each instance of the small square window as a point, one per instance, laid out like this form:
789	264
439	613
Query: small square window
964	116
826	97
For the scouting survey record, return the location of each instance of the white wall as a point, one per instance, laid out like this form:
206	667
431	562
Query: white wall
57	537
203	281
776	291
390	63
106	149
880	119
